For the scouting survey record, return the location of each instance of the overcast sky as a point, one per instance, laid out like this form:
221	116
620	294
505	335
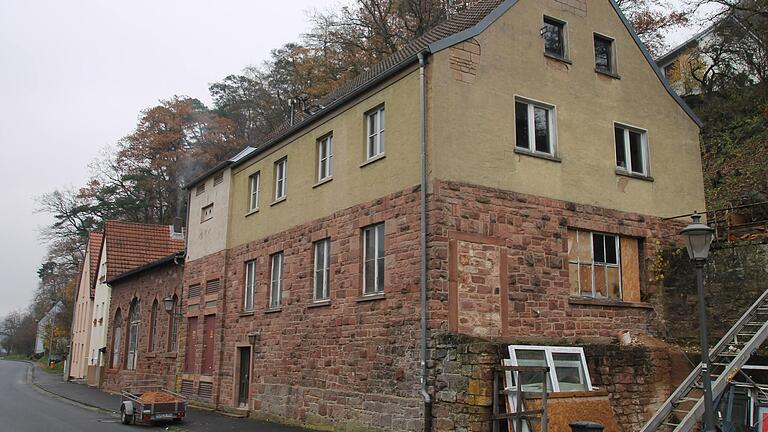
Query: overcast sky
74	76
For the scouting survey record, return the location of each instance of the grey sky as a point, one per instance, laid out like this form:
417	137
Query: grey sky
74	76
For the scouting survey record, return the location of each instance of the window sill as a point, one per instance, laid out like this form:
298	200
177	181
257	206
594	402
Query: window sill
150	355
246	313
252	212
273	310
608	74
373	159
170	355
370	297
319	303
544	156
587	301
558	58
625	173
278	201
322	182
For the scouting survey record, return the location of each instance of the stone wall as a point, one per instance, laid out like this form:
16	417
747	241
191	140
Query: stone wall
735	276
637	378
158	366
534	288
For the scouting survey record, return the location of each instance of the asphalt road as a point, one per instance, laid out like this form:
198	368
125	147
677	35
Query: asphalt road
24	408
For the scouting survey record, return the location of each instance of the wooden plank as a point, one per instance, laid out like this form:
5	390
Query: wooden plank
630	270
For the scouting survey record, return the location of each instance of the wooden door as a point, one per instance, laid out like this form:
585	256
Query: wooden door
189	358
209	325
244	378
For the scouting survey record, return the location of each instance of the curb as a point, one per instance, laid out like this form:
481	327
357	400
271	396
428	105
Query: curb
41	389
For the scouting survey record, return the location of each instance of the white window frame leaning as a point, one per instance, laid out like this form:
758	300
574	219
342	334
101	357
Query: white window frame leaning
325	157
375	229
249	294
276	280
532	104
374	143
548	351
321	269
602	264
643	142
254	184
280	180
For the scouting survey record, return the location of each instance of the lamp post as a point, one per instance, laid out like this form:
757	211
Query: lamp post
698	238
170	305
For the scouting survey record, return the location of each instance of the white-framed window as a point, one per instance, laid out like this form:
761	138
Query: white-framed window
206	213
631	149
605	60
322	269
568	371
535	126
373	259
281	168
594	261
250	285
325	157
276	281
375	142
254	184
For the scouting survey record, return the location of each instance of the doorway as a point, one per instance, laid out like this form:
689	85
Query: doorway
244	377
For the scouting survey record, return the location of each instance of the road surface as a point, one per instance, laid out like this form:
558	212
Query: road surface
24	408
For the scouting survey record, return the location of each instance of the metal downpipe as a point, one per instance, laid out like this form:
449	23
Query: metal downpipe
423	240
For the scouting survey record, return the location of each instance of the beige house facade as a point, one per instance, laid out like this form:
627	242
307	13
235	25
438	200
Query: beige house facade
83	311
505	178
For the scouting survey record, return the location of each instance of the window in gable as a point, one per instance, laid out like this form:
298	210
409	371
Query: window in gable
281	168
604	56
375	142
218	179
553	33
206	213
631	149
325	158
253	191
200	189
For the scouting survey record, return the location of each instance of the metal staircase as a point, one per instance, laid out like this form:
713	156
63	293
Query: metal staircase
685	407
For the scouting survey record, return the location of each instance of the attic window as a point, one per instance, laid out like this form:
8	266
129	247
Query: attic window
218	179
553	33
604	57
200	189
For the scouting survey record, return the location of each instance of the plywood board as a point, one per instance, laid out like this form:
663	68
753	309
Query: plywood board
630	269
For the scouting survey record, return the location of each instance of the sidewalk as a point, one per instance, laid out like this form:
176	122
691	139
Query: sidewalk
196	420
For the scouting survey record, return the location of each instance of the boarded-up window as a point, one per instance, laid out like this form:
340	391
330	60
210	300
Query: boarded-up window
603	266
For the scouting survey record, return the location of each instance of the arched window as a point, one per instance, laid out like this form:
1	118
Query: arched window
134	320
173	325
117	339
153	327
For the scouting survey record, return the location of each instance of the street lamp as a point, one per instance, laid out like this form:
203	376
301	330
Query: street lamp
169	303
698	238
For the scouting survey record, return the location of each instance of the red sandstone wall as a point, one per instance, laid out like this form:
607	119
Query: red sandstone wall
158	366
533	230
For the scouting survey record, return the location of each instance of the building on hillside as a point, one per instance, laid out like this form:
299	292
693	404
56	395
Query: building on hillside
142	337
83	310
46	336
553	151
704	54
124	247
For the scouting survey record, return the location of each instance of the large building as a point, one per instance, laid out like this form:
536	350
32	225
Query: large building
506	177
83	310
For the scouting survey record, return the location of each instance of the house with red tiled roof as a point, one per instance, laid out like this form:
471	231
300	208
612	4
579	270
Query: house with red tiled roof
124	247
83	309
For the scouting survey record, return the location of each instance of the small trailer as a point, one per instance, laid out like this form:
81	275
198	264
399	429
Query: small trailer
151	405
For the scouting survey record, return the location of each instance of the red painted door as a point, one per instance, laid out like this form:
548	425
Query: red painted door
209	324
191	351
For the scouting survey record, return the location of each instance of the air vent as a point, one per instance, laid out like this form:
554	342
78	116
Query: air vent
194	290
212	286
200	189
218	179
205	391
187	388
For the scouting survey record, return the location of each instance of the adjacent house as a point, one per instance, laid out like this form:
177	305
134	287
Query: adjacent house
125	246
83	310
46	337
504	179
144	313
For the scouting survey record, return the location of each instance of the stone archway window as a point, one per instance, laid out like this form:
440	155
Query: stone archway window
133	336
116	339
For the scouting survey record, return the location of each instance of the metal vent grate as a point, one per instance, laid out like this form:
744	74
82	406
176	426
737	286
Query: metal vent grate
218	179
194	290
205	391
186	388
212	286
